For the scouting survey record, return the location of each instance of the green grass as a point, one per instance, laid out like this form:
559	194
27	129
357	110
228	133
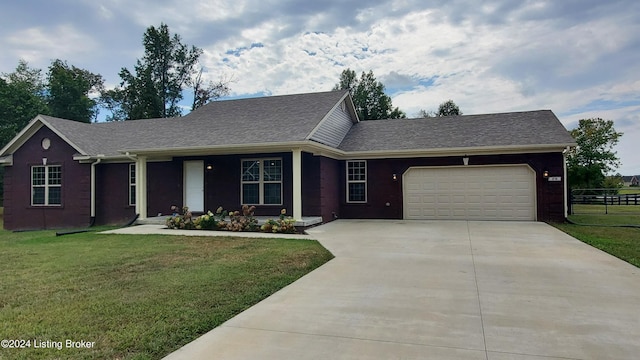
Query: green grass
621	242
629	190
136	297
595	214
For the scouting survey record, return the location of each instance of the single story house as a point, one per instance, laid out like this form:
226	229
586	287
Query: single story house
308	153
631	180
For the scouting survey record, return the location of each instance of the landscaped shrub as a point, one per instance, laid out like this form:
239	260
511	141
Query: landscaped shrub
242	222
238	221
180	220
211	221
284	224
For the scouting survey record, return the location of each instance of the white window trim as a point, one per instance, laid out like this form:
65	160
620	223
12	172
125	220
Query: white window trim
46	185
261	181
132	184
346	169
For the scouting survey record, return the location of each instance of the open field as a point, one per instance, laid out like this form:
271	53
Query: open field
135	297
629	190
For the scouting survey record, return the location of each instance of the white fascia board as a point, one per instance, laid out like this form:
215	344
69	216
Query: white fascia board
328	151
219	149
498	150
62	136
34	125
352	107
6	160
115	159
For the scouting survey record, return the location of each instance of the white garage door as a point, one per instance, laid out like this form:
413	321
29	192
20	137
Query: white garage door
470	193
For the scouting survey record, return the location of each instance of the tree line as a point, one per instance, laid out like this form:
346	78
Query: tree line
372	103
152	89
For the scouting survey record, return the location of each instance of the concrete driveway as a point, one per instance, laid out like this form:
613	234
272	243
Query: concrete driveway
442	290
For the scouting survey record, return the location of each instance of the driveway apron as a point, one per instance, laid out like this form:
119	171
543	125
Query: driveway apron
442	290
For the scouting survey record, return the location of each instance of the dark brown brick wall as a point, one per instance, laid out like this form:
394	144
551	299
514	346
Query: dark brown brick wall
323	186
320	187
112	194
329	189
382	189
75	209
164	187
311	188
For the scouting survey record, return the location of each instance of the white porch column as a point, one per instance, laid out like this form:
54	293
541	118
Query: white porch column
297	183
141	187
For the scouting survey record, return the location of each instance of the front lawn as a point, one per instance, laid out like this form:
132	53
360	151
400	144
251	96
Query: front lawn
136	297
621	242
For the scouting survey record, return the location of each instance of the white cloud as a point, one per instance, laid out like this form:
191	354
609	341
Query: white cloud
39	45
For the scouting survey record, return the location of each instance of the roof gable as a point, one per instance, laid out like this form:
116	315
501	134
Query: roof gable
54	125
336	124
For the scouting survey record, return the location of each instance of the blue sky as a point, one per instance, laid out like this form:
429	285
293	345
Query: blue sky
579	58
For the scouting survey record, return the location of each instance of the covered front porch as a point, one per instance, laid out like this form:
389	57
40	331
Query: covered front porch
223	179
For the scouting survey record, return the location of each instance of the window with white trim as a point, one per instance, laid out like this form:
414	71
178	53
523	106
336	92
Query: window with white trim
132	184
46	185
261	182
356	181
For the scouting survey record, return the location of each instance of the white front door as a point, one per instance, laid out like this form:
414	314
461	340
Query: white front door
194	185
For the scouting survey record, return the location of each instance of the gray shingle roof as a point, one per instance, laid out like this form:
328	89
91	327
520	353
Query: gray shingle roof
289	118
262	120
528	128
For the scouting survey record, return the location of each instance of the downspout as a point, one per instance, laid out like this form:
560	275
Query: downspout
134	158
566	182
93	190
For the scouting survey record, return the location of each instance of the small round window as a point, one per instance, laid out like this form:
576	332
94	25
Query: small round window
46	143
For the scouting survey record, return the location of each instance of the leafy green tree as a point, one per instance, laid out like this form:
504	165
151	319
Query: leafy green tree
155	87
69	90
206	91
21	99
27	78
348	80
425	114
449	108
593	157
614	183
368	96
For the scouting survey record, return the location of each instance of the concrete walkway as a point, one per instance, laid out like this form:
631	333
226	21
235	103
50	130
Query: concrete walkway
442	290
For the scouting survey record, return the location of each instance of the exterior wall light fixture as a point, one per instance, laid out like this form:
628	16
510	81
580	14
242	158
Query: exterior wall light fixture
465	160
394	177
545	174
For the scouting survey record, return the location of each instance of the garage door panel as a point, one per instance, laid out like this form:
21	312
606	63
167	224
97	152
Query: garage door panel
489	199
474	193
